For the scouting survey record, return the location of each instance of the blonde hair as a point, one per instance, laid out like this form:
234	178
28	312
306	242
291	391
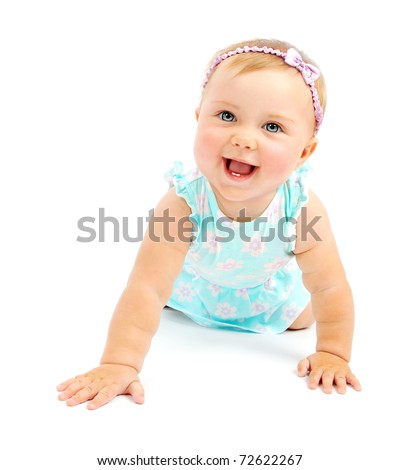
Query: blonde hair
250	62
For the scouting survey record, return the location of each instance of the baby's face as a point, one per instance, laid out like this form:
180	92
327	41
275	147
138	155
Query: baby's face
253	131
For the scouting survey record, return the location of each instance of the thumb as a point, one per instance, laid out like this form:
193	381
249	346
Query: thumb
303	367
136	390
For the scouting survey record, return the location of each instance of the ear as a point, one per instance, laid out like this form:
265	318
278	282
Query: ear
307	152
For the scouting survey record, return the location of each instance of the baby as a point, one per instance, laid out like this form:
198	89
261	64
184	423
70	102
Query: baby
248	246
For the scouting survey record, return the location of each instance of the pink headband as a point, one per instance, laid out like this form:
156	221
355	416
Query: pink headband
309	72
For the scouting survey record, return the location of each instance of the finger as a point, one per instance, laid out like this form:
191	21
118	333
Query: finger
303	367
74	387
104	395
84	394
314	378
328	380
340	382
64	385
136	390
352	380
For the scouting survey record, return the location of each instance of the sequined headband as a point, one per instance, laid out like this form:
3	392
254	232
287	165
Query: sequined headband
309	72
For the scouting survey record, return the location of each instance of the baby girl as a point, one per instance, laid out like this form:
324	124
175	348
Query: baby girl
248	244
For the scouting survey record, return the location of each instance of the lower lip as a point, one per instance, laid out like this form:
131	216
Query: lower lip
238	179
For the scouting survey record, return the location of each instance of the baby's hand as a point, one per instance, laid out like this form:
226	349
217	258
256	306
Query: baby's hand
328	369
101	385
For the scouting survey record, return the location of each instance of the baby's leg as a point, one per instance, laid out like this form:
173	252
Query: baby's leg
304	320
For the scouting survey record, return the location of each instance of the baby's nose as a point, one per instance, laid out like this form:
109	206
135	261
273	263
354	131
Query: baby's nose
245	142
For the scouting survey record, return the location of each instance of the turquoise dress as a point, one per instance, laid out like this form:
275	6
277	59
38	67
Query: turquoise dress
240	275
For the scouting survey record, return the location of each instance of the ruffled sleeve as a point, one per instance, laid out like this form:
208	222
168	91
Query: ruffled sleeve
296	195
174	175
181	180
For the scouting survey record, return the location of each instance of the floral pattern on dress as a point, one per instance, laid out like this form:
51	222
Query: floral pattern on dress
242	293
275	265
259	307
255	247
291	312
225	310
185	292
215	289
230	265
288	288
211	243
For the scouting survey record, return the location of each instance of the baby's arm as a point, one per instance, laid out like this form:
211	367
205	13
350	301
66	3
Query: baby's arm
332	303
137	314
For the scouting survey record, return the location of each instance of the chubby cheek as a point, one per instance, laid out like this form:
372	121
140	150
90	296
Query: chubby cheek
206	145
279	164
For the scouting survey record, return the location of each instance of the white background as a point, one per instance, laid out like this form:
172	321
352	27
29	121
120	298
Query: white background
97	101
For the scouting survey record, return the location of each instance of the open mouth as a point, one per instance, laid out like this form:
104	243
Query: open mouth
238	170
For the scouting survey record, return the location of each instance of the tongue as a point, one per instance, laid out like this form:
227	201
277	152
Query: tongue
240	167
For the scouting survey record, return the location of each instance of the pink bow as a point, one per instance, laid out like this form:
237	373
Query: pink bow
309	72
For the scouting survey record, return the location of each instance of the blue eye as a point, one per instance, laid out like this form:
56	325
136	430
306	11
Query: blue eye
272	127
226	116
